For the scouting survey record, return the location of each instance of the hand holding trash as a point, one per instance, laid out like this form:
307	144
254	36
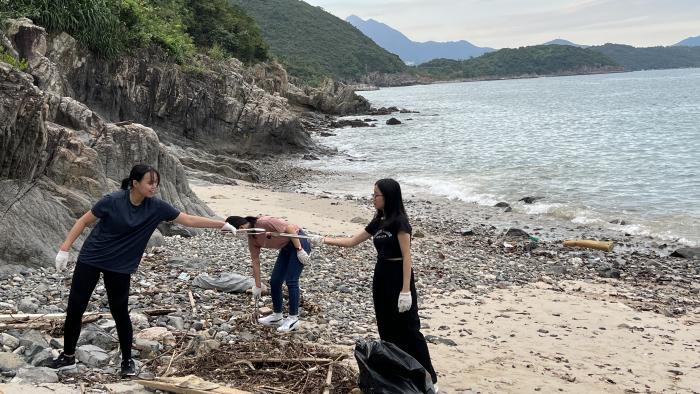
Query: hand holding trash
62	260
257	293
405	301
229	227
303	256
316	240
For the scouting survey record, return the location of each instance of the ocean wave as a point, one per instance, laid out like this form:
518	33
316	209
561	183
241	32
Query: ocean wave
448	189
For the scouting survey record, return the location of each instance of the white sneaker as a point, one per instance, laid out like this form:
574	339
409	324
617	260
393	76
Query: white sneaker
291	323
272	320
436	388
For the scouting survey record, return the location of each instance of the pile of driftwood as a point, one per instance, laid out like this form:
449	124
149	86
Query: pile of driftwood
270	365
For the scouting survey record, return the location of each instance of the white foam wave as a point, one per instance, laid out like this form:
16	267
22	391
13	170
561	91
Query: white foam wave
556	209
451	190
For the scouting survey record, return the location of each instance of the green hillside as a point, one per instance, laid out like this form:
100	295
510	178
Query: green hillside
533	60
312	43
633	59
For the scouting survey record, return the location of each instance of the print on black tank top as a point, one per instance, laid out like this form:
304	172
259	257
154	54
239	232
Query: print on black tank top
386	239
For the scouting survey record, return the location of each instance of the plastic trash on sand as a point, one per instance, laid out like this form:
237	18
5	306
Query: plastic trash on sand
228	282
384	368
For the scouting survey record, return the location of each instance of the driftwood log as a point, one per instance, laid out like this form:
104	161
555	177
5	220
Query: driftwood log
606	246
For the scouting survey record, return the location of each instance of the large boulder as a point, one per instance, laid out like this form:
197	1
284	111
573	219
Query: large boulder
331	97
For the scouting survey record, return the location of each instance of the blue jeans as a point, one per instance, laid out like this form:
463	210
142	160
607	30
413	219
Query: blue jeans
288	269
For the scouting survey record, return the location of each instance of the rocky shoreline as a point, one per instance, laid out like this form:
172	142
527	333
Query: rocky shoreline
455	249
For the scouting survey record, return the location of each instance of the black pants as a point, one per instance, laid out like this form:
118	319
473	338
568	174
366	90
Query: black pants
85	279
401	329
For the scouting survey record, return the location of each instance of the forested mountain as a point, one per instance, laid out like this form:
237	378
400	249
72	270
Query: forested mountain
413	52
313	44
633	59
525	61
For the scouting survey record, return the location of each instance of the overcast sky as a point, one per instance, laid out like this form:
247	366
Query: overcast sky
513	23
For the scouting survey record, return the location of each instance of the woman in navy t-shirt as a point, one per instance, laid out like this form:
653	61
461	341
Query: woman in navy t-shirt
393	286
127	219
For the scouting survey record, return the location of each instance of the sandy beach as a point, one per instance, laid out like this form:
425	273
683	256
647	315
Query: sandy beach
501	314
577	336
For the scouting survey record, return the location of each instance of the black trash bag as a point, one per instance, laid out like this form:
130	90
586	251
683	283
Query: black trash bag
384	368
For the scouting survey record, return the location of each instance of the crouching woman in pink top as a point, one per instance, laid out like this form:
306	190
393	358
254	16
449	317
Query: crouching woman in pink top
293	255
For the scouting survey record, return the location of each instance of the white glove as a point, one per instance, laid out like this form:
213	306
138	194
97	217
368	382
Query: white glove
303	257
405	301
257	292
229	227
316	240
62	260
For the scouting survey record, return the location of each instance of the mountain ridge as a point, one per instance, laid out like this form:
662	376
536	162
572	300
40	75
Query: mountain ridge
690	41
561	41
413	52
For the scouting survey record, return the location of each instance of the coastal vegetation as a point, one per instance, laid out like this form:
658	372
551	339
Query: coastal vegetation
313	44
634	59
181	27
524	61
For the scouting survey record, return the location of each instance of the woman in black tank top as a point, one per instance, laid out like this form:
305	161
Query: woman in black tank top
393	286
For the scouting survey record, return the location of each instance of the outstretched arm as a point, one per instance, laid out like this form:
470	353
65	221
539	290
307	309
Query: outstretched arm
198	221
348	242
87	219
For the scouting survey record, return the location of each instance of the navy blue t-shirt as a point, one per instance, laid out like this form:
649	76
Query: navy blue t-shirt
386	236
122	232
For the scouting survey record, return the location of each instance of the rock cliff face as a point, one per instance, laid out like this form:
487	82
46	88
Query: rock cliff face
57	158
72	126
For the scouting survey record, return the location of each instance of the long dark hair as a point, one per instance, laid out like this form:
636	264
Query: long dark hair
393	202
238	221
137	173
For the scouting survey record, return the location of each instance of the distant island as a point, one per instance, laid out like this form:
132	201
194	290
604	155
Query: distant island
538	60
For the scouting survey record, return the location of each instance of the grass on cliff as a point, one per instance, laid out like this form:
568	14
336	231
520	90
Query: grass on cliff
181	27
19	64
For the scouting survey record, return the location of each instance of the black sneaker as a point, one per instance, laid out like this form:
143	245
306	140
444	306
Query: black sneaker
128	368
61	361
